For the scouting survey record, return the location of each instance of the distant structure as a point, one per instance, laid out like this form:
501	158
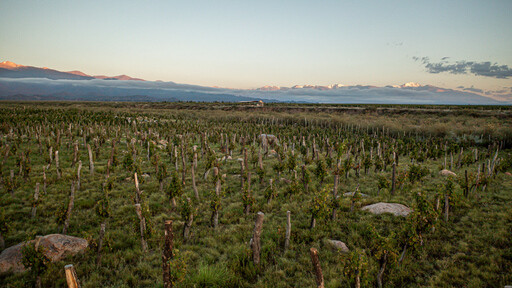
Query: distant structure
258	103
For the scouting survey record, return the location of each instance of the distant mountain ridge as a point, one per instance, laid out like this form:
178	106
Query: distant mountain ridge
10	69
32	83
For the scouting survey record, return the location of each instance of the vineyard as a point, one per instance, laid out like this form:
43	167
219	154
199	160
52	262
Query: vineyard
233	195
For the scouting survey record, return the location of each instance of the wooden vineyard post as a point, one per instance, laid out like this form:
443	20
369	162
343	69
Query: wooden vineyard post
71	277
188	222
137	189
288	230
215	214
44	179
446	206
319	277
78	175
142	224
36	199
256	238
194	148
57	165
335	195
193	171
183	164
11	176
70	208
91	161
167	254
100	244
242	172
304	180
75	154
393	179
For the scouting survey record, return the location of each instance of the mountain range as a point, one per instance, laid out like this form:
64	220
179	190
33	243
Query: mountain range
19	82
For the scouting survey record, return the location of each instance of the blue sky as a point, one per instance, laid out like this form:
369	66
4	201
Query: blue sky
248	44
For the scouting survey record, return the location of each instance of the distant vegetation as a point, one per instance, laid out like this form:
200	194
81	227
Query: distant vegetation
211	167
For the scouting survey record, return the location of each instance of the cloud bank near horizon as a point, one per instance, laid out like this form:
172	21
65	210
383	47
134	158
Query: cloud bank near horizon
170	91
486	68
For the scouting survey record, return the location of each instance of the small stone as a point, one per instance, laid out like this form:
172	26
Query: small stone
446	172
338	245
351	194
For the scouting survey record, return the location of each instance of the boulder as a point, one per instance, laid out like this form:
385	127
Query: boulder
338	245
351	194
268	139
446	172
393	208
56	247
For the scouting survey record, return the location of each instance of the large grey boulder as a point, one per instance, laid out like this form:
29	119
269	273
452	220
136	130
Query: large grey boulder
55	246
393	208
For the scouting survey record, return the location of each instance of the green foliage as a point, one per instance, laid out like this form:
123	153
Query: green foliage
321	170
34	260
355	264
178	267
319	206
291	162
175	189
247	197
417	172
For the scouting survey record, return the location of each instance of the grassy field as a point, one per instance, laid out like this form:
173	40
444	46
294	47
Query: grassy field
472	249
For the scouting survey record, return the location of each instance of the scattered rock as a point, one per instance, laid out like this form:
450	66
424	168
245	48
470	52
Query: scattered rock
56	247
338	245
351	194
393	208
268	139
445	172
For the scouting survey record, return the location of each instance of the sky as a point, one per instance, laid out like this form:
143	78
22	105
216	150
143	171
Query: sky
249	44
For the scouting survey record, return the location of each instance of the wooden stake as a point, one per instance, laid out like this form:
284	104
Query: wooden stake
194	186
256	238
167	254
319	277
57	165
100	244
393	179
70	208
78	175
71	277
288	230
91	161
188	222
36	198
142	224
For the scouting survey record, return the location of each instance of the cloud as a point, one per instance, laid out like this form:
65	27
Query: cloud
472	89
486	69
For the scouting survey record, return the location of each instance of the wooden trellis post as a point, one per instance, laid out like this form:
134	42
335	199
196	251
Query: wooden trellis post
256	238
288	230
142	224
70	208
319	276
71	277
36	198
91	161
167	254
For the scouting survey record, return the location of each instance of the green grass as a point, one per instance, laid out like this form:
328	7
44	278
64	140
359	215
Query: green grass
473	249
